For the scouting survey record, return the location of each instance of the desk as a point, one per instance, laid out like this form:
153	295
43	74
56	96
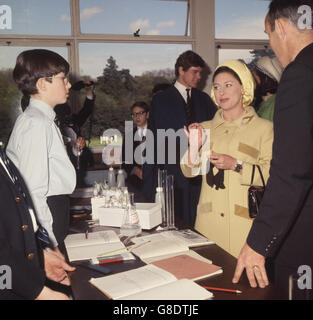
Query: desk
83	290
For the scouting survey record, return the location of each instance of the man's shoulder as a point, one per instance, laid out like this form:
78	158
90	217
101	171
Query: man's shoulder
166	96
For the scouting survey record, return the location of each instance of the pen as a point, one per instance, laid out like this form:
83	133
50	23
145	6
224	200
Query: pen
221	289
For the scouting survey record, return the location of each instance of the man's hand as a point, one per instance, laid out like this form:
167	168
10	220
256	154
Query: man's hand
79	144
138	172
254	263
56	268
48	294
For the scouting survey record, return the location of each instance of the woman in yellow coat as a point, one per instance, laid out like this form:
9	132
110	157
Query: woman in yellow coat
237	138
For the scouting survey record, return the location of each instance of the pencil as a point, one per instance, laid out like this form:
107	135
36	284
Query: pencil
221	289
110	260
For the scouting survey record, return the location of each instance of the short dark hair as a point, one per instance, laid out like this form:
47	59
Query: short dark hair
32	65
287	9
140	104
227	70
267	84
188	59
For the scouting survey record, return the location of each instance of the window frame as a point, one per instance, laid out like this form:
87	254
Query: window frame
202	36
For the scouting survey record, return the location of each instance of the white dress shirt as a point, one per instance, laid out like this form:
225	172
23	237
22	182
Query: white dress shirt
36	147
182	90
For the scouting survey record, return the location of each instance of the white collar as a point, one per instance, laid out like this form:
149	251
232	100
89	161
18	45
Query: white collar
182	89
43	107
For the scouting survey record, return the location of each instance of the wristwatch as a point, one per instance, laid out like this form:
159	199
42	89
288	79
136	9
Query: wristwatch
238	166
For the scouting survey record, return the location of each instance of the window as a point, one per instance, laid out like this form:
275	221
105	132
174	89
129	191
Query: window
125	73
240	19
127	16
35	17
94	35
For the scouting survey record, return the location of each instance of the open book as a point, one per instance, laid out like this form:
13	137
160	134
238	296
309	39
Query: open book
149	283
186	237
80	247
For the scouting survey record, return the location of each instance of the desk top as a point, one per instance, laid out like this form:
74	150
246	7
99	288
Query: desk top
83	290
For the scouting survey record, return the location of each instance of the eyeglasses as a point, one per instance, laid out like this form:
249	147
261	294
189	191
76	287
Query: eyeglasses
64	78
140	113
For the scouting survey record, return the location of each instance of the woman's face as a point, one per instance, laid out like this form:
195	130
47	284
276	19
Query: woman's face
228	91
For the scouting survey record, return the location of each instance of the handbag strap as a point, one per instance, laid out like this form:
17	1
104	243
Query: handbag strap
261	175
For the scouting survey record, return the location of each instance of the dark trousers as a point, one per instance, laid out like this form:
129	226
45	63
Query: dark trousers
60	209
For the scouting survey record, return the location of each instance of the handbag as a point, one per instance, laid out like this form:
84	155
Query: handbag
255	194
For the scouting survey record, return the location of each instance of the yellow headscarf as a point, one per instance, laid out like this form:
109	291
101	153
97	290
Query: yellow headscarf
246	77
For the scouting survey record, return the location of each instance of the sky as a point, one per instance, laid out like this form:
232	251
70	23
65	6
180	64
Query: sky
234	19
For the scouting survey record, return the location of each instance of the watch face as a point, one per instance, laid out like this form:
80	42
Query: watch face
238	167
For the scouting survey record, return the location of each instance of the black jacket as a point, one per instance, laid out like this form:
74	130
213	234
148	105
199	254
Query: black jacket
18	245
284	228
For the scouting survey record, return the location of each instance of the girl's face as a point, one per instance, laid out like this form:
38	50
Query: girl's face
228	91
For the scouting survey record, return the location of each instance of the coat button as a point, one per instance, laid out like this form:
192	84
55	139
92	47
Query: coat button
17	199
30	256
24	227
222	214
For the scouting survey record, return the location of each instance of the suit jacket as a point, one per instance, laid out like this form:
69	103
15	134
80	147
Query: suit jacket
283	229
133	182
168	112
18	245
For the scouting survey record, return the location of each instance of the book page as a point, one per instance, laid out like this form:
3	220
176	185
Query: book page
133	281
186	267
187	237
92	251
79	239
178	290
159	248
190	253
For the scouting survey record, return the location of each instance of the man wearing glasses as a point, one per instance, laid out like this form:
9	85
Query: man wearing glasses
140	115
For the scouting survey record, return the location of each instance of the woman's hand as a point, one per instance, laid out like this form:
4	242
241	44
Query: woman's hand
196	138
223	161
195	135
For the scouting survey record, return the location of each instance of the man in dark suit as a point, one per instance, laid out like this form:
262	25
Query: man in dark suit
178	106
282	232
20	248
132	164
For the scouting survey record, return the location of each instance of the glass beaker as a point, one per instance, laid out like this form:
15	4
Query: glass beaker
130	225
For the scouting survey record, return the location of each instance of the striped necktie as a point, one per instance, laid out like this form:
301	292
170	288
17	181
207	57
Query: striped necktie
188	108
41	234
